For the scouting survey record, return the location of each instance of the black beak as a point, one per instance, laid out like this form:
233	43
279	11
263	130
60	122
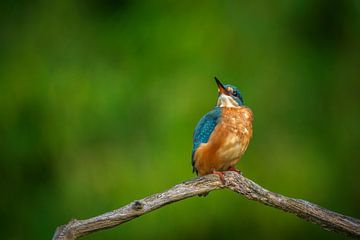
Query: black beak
221	87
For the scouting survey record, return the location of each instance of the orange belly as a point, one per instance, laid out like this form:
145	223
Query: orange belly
227	143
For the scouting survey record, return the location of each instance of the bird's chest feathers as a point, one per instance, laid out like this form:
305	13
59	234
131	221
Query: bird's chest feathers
236	121
235	131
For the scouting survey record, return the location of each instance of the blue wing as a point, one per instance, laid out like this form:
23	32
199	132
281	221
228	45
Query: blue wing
203	130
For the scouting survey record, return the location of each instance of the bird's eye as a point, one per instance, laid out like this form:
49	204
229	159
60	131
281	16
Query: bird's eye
234	94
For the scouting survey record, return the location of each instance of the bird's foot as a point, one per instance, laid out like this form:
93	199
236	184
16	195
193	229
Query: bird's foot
221	176
234	170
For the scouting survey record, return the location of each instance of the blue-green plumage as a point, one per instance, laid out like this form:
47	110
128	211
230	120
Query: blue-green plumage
204	128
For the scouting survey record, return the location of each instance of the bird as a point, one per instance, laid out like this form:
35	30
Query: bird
222	135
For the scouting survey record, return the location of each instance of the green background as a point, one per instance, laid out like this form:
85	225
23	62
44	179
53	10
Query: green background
99	100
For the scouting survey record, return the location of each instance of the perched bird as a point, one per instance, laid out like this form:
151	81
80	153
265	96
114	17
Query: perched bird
223	134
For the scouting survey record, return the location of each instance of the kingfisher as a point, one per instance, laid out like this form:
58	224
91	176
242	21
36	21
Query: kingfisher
222	136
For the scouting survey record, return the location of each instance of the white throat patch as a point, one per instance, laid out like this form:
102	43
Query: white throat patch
226	101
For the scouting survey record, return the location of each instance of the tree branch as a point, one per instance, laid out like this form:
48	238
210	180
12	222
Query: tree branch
308	211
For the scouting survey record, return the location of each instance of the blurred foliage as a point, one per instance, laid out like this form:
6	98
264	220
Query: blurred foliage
99	100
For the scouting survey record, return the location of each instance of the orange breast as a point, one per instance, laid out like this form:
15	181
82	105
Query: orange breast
227	143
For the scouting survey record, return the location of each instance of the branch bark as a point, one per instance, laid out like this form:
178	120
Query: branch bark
306	210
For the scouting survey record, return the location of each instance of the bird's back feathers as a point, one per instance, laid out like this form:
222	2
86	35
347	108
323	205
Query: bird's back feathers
203	130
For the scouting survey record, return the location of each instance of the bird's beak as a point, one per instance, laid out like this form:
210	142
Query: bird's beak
221	87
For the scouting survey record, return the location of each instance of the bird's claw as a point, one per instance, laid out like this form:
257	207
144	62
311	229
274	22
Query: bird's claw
221	176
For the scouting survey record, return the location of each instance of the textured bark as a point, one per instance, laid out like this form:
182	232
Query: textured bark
308	211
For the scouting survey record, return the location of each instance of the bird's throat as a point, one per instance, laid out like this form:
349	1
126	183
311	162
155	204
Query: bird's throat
226	101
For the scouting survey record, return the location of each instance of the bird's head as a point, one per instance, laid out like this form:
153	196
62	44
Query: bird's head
229	95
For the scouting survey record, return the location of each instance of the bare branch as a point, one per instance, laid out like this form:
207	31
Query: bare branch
310	212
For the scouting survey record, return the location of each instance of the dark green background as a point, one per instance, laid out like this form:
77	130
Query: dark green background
99	100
